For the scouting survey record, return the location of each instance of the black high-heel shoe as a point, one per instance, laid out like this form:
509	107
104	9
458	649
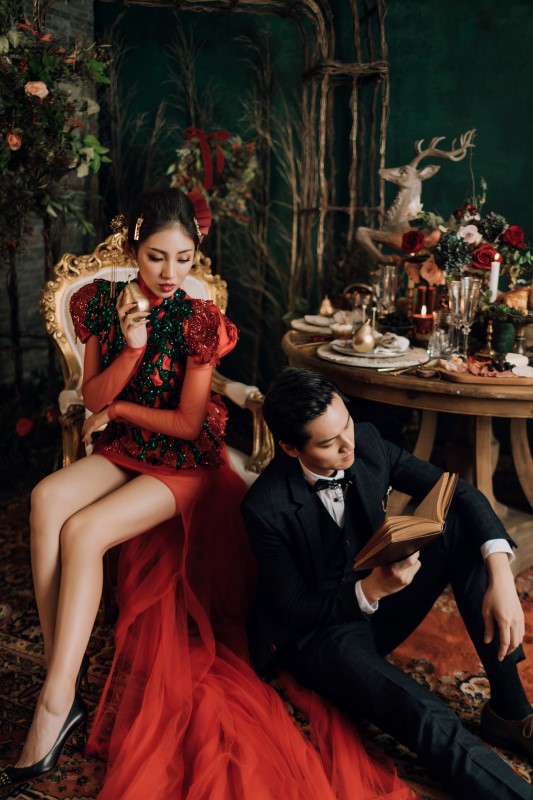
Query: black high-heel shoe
12	776
82	679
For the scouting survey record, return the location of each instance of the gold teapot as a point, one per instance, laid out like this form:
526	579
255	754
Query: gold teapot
132	294
363	339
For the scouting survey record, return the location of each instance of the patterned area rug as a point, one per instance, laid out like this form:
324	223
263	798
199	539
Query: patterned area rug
438	655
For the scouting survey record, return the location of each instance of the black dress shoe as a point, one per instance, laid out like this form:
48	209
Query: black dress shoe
12	776
510	734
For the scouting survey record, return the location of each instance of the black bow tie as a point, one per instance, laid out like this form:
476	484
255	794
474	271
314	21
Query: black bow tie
333	483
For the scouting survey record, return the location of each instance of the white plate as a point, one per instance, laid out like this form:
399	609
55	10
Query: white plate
414	357
345	347
304	327
318	320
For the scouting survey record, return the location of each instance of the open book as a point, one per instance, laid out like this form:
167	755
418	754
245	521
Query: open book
399	537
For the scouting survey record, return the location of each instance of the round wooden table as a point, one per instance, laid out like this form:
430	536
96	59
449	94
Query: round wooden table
479	401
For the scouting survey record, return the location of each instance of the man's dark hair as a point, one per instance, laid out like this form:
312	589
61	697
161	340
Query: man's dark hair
294	399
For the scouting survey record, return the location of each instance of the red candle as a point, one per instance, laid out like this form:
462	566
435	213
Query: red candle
420	299
423	323
431	299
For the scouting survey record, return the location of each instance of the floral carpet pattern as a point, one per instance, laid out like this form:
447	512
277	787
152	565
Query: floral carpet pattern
438	655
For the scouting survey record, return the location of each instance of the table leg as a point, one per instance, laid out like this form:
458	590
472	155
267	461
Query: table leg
423	449
522	456
483	457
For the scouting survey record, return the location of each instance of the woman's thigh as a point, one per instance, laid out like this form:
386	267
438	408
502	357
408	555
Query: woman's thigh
133	508
72	488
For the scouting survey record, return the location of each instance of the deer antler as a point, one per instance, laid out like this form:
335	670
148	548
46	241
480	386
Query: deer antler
455	154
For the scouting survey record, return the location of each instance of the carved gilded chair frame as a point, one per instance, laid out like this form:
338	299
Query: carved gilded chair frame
73	270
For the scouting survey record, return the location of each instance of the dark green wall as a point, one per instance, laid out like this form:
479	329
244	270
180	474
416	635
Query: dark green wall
457	65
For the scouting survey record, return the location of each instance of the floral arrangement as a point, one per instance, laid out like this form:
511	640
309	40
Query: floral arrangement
43	133
219	165
468	242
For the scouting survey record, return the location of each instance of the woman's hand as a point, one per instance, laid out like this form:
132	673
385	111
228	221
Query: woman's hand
132	323
383	581
94	423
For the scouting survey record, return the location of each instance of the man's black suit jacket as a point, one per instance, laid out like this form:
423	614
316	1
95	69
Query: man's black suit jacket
281	518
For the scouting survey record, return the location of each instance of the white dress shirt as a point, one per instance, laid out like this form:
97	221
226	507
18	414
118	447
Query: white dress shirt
333	501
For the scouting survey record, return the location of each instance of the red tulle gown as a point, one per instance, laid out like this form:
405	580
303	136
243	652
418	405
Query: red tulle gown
183	716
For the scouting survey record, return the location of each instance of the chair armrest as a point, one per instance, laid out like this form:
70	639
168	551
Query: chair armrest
71	421
251	398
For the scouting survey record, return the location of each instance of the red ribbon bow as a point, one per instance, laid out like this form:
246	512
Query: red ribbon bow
203	139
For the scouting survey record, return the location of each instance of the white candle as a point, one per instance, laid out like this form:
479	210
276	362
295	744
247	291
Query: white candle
494	277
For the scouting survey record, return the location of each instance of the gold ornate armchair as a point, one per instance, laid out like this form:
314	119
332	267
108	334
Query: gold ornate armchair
72	272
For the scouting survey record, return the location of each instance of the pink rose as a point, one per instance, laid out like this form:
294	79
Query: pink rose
514	237
36	89
24	426
14	140
431	273
483	256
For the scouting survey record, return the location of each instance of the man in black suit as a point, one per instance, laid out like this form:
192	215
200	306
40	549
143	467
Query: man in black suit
331	627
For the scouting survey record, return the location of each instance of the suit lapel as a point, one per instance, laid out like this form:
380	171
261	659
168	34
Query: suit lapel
306	514
366	487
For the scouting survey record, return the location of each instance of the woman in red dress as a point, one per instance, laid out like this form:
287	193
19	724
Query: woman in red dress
182	715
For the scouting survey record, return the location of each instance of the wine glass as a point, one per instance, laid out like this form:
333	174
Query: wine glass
470	290
454	294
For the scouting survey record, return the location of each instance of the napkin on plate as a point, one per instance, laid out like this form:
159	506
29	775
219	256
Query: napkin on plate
391	343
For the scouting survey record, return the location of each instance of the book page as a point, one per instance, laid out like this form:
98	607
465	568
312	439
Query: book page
431	506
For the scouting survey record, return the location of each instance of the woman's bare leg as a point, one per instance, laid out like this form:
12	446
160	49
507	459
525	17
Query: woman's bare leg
53	501
130	510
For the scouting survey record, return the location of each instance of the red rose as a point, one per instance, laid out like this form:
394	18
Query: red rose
483	256
514	237
412	241
52	415
24	426
14	140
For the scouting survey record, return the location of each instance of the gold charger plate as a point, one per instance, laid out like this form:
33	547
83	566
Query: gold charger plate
466	377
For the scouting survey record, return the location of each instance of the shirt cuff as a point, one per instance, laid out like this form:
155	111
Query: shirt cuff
497	546
364	605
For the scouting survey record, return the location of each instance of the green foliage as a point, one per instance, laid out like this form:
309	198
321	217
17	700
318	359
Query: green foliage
452	253
231	193
42	136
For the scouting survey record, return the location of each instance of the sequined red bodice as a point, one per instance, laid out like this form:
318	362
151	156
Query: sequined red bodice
178	328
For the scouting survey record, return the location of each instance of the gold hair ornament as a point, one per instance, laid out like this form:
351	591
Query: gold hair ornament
198	231
117	225
137	231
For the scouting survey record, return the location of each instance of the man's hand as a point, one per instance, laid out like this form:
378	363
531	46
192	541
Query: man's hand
93	423
501	606
383	581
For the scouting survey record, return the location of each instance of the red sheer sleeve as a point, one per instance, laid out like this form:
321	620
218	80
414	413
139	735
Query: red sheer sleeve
184	422
101	387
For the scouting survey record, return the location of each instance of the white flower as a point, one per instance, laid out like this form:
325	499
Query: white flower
470	234
4	45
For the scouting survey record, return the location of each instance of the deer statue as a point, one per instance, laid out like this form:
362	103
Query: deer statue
407	202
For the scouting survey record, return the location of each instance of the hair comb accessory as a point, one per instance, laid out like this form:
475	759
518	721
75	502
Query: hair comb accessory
202	213
137	231
117	225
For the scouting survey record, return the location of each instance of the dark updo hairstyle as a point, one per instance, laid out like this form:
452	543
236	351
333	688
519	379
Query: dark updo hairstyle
160	209
294	399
